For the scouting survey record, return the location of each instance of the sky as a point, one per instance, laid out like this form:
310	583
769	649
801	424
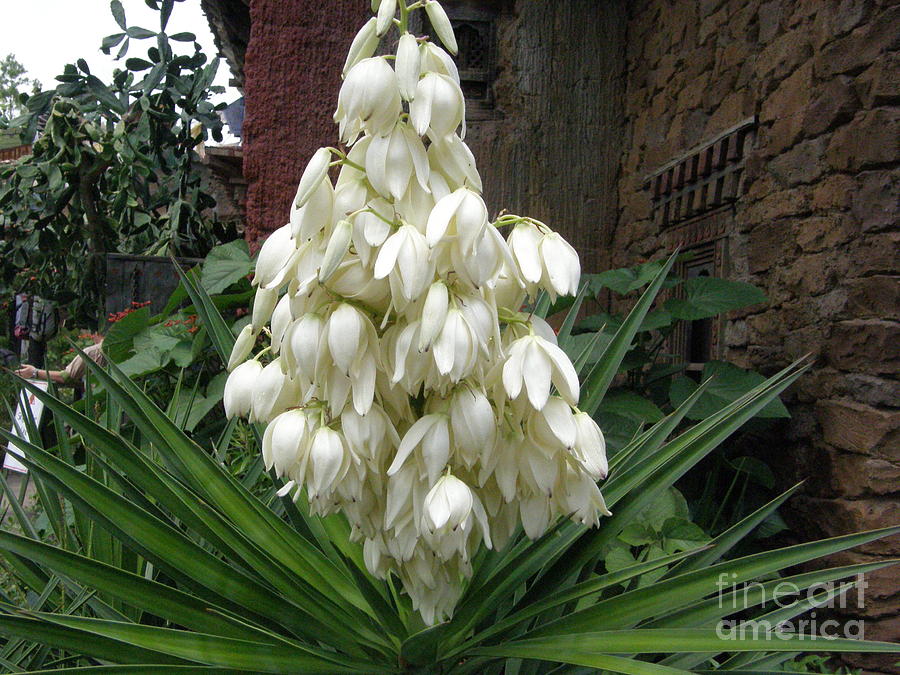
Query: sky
45	35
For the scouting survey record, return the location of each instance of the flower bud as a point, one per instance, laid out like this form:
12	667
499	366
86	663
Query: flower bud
442	26
281	320
273	258
590	446
263	305
336	249
385	18
242	346
363	46
313	174
434	314
407	65
238	395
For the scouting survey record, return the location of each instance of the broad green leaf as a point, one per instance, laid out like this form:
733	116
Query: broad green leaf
598	380
118	13
119	341
225	265
707	296
627	403
625	280
728	384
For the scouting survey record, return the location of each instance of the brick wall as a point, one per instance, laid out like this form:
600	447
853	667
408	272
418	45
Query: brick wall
815	227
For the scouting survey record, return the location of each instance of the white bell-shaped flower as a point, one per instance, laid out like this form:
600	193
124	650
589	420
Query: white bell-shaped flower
474	425
461	214
392	159
438	106
273	258
535	363
369	99
285	444
562	270
405	257
454	160
238	395
590	446
273	392
328	462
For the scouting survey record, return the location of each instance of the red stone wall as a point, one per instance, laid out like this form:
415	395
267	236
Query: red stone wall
291	80
816	228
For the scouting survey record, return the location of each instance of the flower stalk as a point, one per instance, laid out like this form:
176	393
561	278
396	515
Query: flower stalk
407	390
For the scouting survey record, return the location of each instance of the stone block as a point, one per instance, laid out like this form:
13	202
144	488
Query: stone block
855	52
875	201
859	428
865	346
876	254
854	475
824	232
835	517
876	297
791	97
835	104
770	18
785	53
801	164
768	245
813	274
834	192
880	83
874	391
777	205
871	139
734	107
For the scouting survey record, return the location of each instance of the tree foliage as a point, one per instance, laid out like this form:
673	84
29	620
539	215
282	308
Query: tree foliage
114	167
12	83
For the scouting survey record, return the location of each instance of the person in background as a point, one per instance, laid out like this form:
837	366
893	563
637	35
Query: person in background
73	374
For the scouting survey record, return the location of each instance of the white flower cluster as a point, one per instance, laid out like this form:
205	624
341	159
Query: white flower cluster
403	386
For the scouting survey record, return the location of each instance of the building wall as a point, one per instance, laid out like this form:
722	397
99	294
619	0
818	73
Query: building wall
291	79
549	147
815	227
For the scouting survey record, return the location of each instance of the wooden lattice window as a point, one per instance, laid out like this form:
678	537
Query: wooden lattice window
703	179
475	31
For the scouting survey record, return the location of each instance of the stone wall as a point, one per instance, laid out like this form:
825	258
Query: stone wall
815	227
291	78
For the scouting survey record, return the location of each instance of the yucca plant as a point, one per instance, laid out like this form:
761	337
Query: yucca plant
211	579
383	301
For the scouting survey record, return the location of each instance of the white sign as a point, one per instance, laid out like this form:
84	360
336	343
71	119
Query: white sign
20	428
